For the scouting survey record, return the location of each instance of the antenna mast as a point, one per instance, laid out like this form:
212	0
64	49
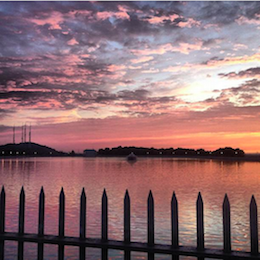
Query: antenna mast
30	133
14	134
22	133
25	133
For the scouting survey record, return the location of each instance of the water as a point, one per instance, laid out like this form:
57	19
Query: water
163	176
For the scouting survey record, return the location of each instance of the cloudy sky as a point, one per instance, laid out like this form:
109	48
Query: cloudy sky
154	74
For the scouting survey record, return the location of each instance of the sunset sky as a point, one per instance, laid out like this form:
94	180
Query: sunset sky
153	74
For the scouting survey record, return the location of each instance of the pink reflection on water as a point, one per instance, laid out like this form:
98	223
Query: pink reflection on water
162	176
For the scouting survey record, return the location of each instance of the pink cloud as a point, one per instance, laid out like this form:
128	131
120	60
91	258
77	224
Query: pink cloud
142	59
73	41
161	19
119	15
183	47
55	19
151	70
189	23
114	67
244	20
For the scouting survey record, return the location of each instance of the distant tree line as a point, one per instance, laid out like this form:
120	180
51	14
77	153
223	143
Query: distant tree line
142	151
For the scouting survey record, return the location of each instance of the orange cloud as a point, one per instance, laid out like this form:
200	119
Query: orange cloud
215	63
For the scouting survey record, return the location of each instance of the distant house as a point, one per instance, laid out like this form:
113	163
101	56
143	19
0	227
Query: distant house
90	153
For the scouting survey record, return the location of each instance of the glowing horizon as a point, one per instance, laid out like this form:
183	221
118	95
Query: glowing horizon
153	74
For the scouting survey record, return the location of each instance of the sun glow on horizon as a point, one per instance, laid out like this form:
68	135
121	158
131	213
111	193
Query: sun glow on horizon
140	73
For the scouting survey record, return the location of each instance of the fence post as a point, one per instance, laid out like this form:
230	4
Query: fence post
2	221
82	223
253	226
200	225
150	223
104	224
127	220
21	223
175	224
61	222
41	223
226	225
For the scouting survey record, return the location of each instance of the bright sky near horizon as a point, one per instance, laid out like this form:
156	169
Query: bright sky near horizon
153	74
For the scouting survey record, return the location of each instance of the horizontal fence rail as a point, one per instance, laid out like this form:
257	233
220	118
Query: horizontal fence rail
151	248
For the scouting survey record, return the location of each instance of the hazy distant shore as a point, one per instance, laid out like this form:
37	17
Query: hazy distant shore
246	158
29	149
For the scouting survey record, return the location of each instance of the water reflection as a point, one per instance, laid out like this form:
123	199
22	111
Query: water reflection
163	176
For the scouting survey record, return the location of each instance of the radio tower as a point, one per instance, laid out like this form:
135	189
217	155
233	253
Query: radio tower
30	133
22	133
14	134
25	133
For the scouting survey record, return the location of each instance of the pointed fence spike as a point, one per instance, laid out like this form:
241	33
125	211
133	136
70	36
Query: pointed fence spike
253	226
41	223
253	202
2	220
199	196
21	211
83	210
127	224
82	223
3	190
104	195
175	221
104	224
173	196
61	213
150	223
2	210
21	223
104	215
83	192
61	222
127	217
226	225
41	212
200	223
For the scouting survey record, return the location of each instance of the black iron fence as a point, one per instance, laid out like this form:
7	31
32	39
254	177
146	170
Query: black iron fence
126	245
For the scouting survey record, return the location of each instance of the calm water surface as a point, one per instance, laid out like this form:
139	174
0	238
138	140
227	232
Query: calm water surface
163	176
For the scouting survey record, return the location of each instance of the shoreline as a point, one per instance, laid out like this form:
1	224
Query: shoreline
246	158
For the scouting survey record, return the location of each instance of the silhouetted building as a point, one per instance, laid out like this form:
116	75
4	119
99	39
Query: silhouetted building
90	153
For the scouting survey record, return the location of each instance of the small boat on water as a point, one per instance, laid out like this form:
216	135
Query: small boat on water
131	157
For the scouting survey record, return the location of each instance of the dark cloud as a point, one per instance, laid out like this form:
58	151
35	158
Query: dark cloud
135	26
249	73
247	94
211	42
220	13
39	64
